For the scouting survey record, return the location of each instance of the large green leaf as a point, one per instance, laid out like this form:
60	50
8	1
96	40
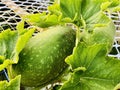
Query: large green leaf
14	84
100	34
6	47
79	12
92	69
84	9
113	6
11	44
86	14
70	8
42	19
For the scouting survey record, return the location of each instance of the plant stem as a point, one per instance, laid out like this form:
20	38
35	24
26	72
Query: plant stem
9	68
77	35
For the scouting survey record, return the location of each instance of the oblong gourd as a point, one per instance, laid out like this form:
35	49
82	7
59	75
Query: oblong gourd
42	59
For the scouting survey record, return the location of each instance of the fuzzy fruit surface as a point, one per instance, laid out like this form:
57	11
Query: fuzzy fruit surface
42	59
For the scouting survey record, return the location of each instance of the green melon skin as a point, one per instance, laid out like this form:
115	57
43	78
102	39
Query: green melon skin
42	59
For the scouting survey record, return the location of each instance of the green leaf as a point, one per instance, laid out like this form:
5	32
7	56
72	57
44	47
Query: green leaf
5	64
70	8
99	34
20	28
78	12
2	58
8	39
102	72
85	8
113	6
55	9
84	13
83	55
42	19
14	84
104	34
11	44
77	9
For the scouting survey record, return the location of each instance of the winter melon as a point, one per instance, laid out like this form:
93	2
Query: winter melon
42	59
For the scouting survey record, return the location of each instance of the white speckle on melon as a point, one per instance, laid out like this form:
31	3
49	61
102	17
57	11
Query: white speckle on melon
48	71
29	65
24	54
35	48
37	55
42	62
31	58
48	66
55	48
